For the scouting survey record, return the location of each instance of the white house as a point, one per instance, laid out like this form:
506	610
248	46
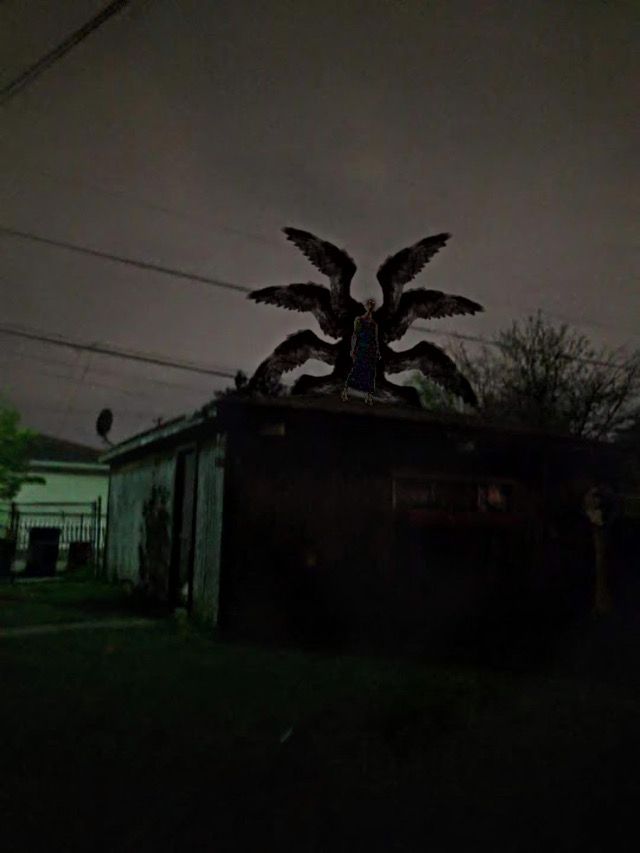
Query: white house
72	498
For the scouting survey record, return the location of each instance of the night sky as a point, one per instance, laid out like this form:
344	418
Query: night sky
188	133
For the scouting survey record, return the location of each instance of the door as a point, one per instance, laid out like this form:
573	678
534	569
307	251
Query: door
181	585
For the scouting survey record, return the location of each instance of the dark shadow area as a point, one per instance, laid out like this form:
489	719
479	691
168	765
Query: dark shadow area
133	604
306	742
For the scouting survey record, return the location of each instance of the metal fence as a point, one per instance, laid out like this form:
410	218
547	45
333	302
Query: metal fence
77	522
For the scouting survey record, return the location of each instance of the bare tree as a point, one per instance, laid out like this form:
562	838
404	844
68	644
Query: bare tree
433	397
551	377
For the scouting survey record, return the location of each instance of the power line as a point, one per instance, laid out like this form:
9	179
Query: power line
195	368
239	287
145	265
46	407
69	378
19	355
177	273
49	59
115	353
209	226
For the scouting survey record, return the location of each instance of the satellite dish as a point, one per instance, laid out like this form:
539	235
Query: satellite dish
103	424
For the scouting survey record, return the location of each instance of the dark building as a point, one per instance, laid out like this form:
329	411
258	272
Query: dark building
298	516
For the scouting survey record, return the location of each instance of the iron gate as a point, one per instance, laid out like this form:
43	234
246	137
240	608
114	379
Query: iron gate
81	529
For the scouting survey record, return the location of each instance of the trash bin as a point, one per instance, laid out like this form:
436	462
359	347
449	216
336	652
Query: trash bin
42	555
7	553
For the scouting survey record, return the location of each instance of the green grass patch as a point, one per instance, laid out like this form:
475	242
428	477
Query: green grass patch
76	597
163	739
140	736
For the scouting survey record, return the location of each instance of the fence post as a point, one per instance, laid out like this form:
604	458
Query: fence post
96	531
104	568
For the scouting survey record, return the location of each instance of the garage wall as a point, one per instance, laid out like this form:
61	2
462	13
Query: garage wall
139	522
208	534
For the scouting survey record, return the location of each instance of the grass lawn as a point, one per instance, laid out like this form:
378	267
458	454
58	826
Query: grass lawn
76	598
165	739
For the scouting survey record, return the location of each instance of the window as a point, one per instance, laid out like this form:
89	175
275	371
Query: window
495	497
442	495
453	495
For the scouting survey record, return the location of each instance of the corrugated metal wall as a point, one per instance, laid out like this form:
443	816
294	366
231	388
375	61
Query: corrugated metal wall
131	487
208	533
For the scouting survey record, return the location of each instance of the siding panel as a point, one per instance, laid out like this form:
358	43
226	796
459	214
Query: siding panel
208	536
131	488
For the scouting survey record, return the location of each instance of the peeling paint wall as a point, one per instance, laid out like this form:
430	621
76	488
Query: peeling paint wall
137	495
208	534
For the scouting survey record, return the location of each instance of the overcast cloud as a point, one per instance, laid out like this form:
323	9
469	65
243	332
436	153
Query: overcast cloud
188	133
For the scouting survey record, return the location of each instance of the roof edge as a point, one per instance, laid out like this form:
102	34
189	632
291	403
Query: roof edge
87	467
408	415
156	436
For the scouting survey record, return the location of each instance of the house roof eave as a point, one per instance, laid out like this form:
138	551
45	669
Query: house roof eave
186	426
68	467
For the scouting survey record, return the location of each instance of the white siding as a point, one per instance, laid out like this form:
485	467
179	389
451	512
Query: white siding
130	487
208	535
76	486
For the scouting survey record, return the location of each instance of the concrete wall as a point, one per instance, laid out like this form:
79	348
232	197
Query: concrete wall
208	533
133	487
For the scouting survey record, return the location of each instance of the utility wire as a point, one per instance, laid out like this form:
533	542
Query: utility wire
203	225
49	59
49	408
242	288
245	289
66	377
112	351
7	356
144	265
